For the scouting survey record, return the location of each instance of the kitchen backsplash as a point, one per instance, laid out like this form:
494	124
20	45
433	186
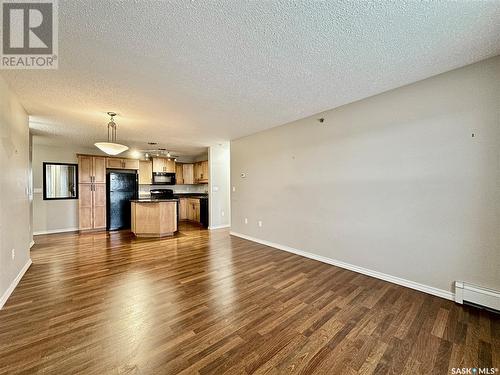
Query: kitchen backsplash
203	188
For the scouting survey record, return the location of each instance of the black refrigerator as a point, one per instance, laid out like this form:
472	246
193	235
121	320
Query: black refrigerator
121	188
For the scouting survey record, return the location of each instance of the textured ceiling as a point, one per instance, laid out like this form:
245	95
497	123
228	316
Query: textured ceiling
190	74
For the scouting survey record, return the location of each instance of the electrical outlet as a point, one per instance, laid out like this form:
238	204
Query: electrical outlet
246	220
13	253
234	188
222	213
260	223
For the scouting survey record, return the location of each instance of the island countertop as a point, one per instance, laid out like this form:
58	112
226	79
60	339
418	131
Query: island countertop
149	200
154	217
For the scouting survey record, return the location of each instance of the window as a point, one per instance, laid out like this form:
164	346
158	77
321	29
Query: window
60	181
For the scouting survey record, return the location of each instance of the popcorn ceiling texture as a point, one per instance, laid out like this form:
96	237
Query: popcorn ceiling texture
190	74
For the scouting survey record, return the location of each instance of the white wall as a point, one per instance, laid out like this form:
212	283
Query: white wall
53	215
394	183
14	200
219	187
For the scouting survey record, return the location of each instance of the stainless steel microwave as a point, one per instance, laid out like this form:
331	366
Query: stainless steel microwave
163	178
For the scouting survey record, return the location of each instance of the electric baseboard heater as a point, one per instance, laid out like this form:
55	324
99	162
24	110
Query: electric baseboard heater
477	295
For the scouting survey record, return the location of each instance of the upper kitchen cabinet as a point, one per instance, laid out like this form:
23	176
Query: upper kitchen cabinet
163	165
118	163
91	169
201	172
188	174
179	174
145	172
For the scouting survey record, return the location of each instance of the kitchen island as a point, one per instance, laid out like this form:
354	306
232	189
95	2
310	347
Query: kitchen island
154	217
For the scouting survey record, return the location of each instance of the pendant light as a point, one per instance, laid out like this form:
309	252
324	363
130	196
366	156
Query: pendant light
111	147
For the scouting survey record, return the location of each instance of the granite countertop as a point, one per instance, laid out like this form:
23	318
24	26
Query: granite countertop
149	200
191	195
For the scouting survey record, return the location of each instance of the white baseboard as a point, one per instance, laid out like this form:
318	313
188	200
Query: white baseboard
219	226
14	283
365	271
32	243
52	231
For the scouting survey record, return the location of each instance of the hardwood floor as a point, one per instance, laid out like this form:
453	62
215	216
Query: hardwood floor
205	302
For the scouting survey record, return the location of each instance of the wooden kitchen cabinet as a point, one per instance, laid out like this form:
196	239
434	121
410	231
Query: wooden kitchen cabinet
91	169
183	206
92	192
99	206
85	192
179	174
163	165
117	163
131	164
92	206
193	209
201	171
145	172
189	209
184	173
114	163
188	174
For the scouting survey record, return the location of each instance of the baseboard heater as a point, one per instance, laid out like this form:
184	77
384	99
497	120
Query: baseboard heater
477	295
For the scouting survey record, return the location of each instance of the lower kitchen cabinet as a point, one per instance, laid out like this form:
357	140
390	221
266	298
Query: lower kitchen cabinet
189	209
193	210
183	205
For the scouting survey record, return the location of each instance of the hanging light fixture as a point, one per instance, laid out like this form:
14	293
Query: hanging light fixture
111	147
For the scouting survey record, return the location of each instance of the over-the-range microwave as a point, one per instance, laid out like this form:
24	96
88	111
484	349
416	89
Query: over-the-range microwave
163	178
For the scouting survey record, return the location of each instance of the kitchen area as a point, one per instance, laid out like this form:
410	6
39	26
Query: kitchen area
149	195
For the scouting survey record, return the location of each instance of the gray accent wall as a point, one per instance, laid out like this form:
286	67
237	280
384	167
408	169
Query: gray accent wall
15	232
405	183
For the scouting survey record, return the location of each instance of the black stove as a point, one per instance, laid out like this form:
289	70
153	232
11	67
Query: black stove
162	194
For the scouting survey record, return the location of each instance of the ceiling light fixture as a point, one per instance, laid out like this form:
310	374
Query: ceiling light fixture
111	147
